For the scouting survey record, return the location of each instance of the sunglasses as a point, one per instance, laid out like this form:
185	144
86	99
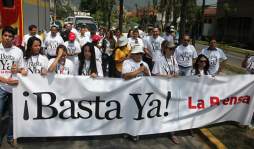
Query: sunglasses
203	61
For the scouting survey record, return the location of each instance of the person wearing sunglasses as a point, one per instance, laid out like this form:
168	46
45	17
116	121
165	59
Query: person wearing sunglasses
216	56
201	66
167	66
185	55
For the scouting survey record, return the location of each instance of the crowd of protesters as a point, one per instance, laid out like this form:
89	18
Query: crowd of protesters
104	54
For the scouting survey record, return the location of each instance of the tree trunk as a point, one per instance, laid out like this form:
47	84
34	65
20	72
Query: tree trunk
183	19
121	16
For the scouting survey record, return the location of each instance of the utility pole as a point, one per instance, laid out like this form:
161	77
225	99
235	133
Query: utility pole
121	15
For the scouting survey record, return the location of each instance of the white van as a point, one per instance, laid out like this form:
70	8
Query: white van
85	20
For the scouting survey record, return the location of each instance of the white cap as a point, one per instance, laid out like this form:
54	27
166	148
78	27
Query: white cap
137	48
122	41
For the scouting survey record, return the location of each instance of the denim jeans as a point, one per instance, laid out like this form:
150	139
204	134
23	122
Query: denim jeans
6	102
185	71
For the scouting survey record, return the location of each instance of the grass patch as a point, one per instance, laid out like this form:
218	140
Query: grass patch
235	69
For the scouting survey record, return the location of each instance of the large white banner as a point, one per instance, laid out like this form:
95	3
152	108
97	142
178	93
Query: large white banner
80	106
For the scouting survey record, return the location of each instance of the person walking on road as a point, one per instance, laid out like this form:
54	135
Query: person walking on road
216	56
185	55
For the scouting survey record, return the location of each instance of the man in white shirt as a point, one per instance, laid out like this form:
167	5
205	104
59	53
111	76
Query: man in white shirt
135	39
52	41
32	32
135	67
83	38
185	54
216	56
11	58
152	47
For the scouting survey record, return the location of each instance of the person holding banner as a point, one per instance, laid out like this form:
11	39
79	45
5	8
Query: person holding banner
201	66
88	66
11	63
60	64
135	66
35	62
167	66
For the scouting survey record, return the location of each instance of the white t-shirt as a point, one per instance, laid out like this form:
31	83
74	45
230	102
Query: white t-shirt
133	42
166	66
154	47
86	67
169	38
83	40
98	54
26	38
130	65
66	69
35	64
250	65
73	48
8	57
51	43
184	55
215	57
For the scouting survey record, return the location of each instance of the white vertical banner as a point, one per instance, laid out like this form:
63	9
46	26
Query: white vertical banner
81	106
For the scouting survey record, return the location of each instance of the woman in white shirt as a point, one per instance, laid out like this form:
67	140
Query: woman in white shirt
167	66
201	66
35	62
60	64
88	66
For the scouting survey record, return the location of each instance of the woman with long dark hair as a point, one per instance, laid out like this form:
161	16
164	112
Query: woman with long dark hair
201	66
35	62
88	66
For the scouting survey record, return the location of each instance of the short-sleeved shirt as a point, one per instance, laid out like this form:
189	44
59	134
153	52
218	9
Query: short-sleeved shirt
26	38
130	65
154	47
8	57
35	64
166	66
133	42
66	69
51	43
83	39
185	54
215	56
120	55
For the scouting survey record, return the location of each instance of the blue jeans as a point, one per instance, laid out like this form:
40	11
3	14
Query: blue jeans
6	102
185	71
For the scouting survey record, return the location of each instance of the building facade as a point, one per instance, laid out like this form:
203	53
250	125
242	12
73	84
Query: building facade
235	22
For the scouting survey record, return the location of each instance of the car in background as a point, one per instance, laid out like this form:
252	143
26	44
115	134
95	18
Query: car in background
69	19
78	21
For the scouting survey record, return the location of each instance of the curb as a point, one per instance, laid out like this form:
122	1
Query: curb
215	142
